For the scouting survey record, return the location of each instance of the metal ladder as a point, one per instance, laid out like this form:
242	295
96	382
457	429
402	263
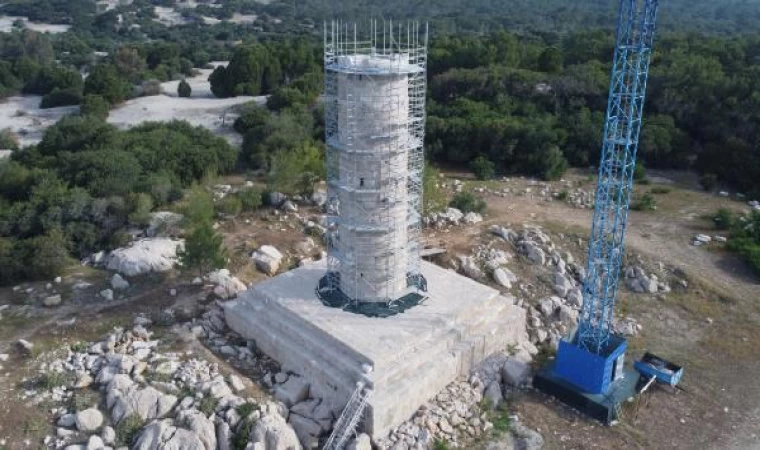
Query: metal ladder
345	427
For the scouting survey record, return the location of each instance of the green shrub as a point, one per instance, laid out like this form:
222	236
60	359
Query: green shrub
647	202
61	97
8	140
468	202
94	106
141	205
251	199
204	250
441	444
128	430
208	405
708	181
242	435
184	89
483	168
563	195
640	174
723	219
230	205
660	190
433	199
51	380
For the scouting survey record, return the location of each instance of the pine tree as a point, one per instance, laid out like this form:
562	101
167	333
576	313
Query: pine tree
204	250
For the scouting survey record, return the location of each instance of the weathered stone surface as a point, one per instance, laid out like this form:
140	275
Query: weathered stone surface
107	294
145	256
493	394
535	254
163	435
89	420
562	285
267	259
108	435
237	383
224	436
294	390
274	433
504	277
164	223
147	403
95	443
200	425
470	268
306	429
227	286
527	439
119	283
53	300
515	372
362	442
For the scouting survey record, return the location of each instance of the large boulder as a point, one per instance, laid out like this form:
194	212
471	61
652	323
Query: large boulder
515	372
267	259
470	268
293	391
119	283
271	432
145	256
504	277
88	420
535	254
227	286
199	424
306	429
164	435
147	403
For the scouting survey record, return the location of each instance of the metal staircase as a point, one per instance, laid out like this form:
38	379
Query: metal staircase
345	427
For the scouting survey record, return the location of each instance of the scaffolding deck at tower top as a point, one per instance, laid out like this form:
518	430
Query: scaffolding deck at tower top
375	82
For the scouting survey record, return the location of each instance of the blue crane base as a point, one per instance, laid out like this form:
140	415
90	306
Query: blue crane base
593	384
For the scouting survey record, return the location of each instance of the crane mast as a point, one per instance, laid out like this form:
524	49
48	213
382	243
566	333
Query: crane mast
635	36
590	362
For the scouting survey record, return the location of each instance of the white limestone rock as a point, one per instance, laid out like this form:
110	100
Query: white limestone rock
274	433
199	424
108	435
147	403
223	436
535	254
515	372
470	268
562	285
118	283
95	443
145	256
362	442
237	383
267	259
227	286
107	294
493	394
307	430
89	420
163	435
293	391
52	300
472	218
504	277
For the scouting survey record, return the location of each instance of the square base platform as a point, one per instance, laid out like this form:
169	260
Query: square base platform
602	407
406	359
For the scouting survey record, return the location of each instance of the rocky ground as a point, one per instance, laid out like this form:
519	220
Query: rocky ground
125	352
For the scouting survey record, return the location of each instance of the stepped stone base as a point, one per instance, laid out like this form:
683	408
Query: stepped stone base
406	359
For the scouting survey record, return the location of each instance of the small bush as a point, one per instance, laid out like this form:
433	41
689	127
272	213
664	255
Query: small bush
647	202
246	409
52	380
242	436
483	168
251	199
94	106
8	141
441	444
468	202
708	181
127	430
231	205
150	87
640	174
723	219
208	405
660	190
563	196
61	97
500	420
184	89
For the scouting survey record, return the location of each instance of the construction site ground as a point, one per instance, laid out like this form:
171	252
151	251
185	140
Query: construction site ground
711	328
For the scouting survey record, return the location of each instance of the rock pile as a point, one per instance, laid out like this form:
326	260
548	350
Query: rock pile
637	280
163	400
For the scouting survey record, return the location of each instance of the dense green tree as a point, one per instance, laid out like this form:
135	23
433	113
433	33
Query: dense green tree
106	82
204	250
61	97
483	168
94	106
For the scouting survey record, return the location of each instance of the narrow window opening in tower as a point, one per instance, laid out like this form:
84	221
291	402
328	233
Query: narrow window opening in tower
361	182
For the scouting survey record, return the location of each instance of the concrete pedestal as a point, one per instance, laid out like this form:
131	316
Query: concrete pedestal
407	359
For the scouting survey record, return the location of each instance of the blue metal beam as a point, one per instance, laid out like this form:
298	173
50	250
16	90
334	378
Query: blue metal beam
633	50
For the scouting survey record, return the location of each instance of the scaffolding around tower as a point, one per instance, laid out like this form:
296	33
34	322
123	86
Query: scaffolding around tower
375	82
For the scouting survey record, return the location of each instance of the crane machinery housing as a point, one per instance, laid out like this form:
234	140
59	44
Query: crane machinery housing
588	372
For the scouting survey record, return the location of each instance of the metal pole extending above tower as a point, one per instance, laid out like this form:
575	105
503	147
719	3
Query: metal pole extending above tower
374	130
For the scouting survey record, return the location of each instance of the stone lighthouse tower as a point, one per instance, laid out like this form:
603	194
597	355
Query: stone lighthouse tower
374	126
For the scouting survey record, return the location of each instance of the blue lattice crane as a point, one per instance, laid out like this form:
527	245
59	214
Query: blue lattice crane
589	363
